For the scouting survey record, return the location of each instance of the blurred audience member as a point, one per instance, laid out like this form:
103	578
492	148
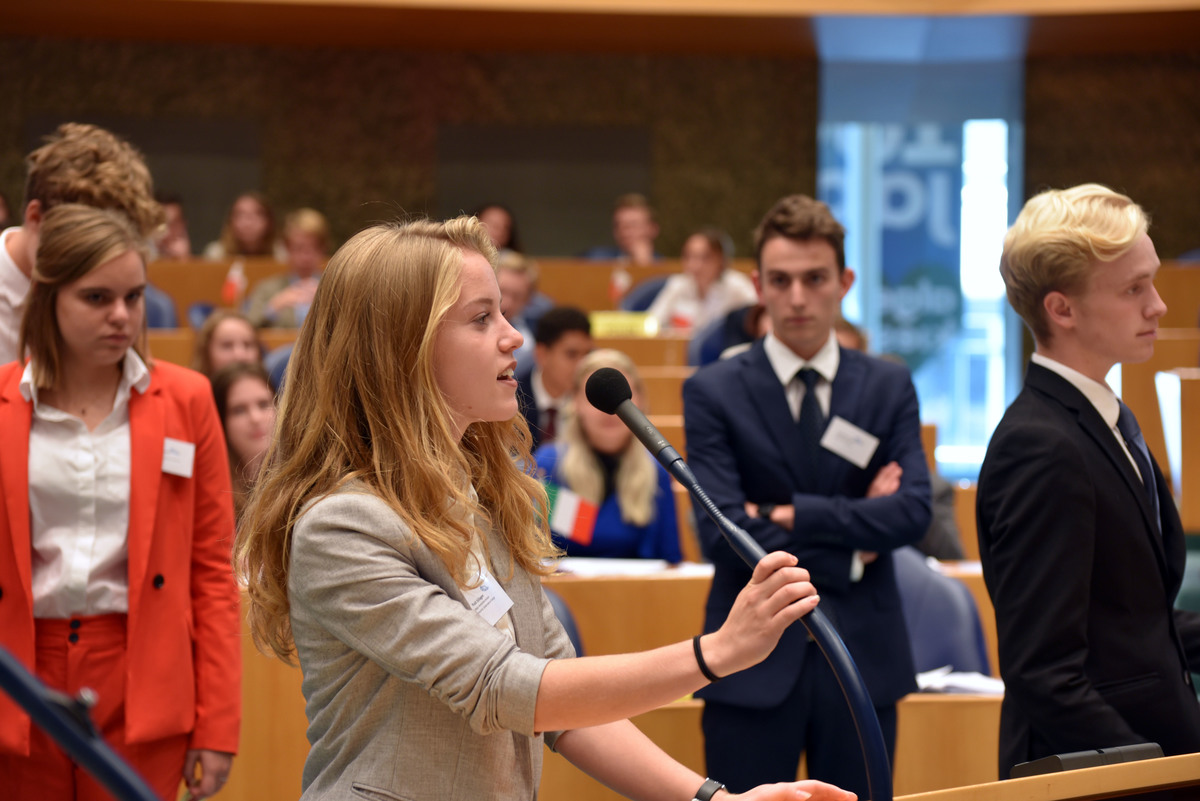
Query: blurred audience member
634	230
282	301
226	337
517	277
563	337
249	230
598	459
6	218
501	226
707	289
173	242
850	335
246	405
741	328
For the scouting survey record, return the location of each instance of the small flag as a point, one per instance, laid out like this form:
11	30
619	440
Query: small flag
570	515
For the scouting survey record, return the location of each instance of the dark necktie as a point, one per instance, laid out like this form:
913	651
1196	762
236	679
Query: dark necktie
812	419
551	427
1132	433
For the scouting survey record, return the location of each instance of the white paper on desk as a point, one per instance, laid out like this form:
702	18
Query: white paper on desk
944	680
591	566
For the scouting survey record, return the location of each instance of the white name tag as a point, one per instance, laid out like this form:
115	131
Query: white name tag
178	457
849	441
489	600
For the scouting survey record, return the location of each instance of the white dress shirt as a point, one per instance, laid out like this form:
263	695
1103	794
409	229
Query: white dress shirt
79	486
825	362
679	304
14	289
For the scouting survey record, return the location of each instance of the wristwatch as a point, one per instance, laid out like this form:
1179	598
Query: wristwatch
708	790
765	509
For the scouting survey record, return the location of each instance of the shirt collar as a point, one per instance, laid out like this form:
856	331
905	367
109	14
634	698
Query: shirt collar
134	375
786	363
1098	394
540	396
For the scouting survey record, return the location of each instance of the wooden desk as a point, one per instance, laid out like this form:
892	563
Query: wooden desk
664	388
1176	347
197	280
1179	287
964	516
669	349
172	345
1128	780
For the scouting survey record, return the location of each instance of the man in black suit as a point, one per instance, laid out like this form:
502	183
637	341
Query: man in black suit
814	449
1082	547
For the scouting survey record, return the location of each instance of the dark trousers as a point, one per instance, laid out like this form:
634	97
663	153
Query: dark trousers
746	747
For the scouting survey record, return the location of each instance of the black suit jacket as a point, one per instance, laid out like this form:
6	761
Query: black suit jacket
1091	650
743	445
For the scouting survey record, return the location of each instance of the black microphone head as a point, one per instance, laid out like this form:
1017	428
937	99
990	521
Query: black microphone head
607	389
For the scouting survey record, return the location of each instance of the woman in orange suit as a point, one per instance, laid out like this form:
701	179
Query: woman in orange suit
116	522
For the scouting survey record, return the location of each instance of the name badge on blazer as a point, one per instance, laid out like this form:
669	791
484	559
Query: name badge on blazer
849	441
488	600
178	457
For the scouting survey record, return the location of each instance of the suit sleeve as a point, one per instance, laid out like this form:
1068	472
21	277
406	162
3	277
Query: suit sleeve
217	623
884	523
1037	523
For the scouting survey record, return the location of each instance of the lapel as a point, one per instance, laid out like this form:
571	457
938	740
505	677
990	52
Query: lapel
770	402
1057	387
16	419
845	401
147	430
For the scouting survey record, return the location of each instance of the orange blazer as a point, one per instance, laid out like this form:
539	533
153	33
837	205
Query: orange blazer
183	663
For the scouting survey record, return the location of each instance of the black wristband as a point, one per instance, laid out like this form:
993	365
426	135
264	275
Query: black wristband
708	674
708	789
765	509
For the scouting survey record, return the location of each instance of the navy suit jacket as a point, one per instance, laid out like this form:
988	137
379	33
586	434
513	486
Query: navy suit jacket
743	445
528	405
1091	651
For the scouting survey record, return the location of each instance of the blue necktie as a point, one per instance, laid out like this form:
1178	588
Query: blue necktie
812	419
1132	433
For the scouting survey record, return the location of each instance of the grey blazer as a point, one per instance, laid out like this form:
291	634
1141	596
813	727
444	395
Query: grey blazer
409	694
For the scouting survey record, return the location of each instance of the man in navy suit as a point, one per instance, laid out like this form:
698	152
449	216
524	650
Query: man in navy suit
828	466
563	338
1082	548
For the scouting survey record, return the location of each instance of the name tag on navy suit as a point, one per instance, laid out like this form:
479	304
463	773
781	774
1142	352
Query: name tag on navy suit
849	441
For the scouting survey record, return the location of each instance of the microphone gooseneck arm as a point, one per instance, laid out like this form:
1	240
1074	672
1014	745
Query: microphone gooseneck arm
611	394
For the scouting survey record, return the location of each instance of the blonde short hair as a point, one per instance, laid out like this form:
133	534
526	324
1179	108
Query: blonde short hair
74	240
310	222
1056	239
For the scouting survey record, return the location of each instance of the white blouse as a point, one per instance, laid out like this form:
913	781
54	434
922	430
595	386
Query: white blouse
79	485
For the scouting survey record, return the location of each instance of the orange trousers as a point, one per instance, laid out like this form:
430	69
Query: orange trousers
88	652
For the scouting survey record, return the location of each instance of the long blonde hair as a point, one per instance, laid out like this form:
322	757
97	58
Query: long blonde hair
363	404
636	477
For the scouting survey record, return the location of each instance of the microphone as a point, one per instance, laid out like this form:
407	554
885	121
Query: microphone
608	390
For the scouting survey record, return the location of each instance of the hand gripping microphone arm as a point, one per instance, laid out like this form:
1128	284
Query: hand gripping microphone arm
609	392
